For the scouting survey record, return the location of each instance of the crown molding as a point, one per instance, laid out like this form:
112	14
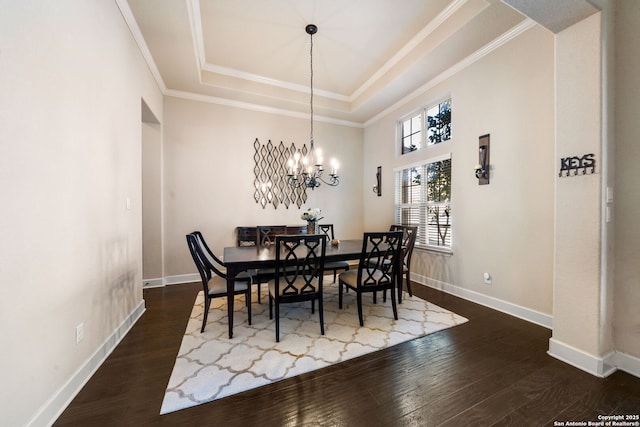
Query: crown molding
195	22
257	107
409	47
456	68
130	20
194	8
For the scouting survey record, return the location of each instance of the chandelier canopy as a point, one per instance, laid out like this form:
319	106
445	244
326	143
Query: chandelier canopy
307	170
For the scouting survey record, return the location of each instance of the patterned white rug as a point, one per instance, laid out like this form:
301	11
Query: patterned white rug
210	366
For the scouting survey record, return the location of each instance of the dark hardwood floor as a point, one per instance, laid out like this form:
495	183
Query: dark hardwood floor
490	371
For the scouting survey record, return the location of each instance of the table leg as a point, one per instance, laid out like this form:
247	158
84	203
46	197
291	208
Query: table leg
231	277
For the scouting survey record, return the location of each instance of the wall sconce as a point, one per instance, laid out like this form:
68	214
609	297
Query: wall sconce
378	187
482	168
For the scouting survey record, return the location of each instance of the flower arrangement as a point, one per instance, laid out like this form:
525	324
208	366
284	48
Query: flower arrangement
311	215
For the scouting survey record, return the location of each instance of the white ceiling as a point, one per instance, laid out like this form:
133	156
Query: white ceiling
367	55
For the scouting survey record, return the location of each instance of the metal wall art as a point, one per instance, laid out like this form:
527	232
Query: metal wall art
586	163
271	184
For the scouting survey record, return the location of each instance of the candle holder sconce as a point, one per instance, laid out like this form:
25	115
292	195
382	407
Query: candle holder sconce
378	187
482	168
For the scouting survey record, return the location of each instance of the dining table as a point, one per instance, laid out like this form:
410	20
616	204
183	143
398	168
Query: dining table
242	258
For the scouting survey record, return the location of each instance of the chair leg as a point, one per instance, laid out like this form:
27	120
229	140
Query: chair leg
207	304
340	286
247	297
321	314
277	322
270	307
259	296
393	304
359	299
408	280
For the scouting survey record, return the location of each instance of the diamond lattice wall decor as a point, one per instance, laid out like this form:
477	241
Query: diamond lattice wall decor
270	170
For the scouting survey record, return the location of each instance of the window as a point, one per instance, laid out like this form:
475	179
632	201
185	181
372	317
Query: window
427	127
412	134
423	199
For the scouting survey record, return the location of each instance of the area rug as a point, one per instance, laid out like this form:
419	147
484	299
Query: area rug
210	366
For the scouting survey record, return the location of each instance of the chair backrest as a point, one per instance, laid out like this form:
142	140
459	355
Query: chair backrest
246	236
327	229
208	257
266	234
409	234
380	252
295	230
198	259
300	258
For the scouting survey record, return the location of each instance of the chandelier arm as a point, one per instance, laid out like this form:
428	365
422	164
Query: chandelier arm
334	180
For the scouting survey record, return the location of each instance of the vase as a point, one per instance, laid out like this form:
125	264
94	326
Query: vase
312	227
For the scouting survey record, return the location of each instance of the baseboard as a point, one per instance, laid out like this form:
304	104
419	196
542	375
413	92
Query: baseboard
626	363
533	316
54	407
153	283
171	280
598	366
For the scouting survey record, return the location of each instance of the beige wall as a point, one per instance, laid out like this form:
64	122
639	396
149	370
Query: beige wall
504	228
578	217
152	262
208	175
72	80
627	192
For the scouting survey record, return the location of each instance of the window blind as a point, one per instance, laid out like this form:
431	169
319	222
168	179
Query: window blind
423	200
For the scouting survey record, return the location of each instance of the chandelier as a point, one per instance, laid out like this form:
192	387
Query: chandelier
306	169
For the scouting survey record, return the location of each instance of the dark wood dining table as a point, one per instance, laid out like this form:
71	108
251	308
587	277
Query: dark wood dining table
242	258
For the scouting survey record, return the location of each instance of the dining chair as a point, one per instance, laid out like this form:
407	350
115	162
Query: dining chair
265	238
376	269
214	278
409	234
334	266
213	261
298	274
266	234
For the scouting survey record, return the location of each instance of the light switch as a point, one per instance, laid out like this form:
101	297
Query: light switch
609	194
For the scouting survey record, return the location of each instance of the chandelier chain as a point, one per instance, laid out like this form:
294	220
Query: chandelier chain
306	170
311	85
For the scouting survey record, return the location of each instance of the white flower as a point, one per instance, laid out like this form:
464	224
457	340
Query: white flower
311	214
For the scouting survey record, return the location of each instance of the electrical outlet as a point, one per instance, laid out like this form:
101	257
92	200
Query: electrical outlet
79	333
487	278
